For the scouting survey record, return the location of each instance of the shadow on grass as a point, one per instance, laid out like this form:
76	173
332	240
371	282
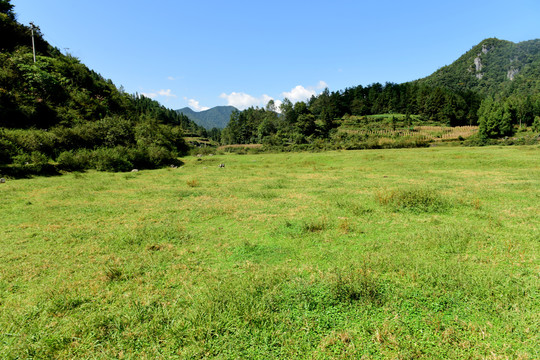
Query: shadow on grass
14	171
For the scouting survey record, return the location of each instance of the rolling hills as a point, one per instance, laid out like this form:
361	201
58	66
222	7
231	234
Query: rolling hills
216	117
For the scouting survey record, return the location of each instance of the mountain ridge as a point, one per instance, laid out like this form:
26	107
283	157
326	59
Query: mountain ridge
216	117
491	67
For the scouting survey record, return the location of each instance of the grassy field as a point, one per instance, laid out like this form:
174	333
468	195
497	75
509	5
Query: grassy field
376	254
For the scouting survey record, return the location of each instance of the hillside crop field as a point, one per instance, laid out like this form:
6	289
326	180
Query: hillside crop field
374	254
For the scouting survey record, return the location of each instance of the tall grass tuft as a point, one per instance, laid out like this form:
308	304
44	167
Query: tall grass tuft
113	273
315	225
357	285
416	200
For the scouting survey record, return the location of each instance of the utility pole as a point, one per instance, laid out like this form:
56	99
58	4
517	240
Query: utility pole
33	44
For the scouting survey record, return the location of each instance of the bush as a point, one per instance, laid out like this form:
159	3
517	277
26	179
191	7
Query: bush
204	150
74	161
7	150
536	124
160	156
38	160
21	159
111	159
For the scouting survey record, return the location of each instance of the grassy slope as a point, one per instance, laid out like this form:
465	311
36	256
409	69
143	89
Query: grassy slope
286	255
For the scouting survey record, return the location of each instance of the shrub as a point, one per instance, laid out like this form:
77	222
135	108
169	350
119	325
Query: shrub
74	161
7	150
38	160
111	159
160	156
21	159
536	124
204	150
33	140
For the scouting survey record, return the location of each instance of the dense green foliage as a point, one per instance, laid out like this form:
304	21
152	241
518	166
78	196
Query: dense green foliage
59	109
216	117
505	74
304	122
6	8
493	67
507	78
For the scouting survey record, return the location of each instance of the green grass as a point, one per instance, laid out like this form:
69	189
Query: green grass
417	253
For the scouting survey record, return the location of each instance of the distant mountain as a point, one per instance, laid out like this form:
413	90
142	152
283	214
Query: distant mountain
493	67
216	117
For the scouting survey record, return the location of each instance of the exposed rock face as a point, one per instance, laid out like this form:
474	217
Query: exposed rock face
478	63
512	73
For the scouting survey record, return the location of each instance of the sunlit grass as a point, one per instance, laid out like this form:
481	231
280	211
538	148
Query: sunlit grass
421	253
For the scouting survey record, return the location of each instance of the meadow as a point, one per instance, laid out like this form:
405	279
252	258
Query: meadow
373	254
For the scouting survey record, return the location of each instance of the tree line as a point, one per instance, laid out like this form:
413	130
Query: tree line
302	122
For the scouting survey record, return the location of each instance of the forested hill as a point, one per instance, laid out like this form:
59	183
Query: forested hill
493	67
56	110
58	89
216	117
496	86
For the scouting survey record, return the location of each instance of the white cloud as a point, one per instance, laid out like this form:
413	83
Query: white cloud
150	95
194	104
300	93
165	93
322	85
242	100
171	78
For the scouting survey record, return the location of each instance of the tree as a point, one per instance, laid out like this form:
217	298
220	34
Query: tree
327	122
271	106
7	8
536	124
495	119
266	128
525	111
306	124
287	112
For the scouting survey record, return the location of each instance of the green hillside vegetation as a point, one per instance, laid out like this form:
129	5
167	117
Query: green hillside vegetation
377	254
56	114
493	67
495	86
216	117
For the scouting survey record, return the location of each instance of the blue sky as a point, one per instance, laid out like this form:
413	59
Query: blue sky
242	53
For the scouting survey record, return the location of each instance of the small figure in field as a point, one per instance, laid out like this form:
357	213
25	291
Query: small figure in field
135	170
221	165
2	180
